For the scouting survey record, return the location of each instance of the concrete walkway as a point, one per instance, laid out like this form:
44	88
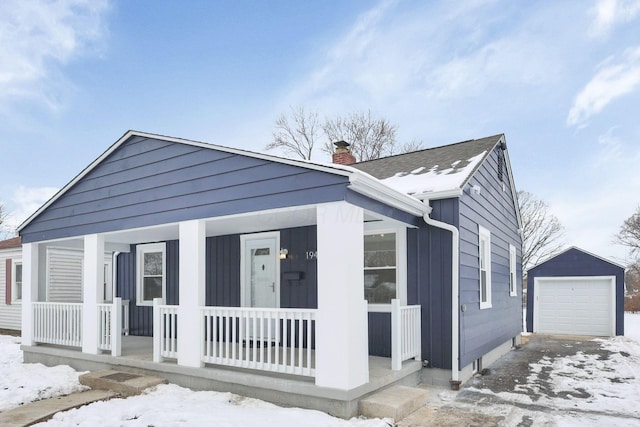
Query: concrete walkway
43	410
104	385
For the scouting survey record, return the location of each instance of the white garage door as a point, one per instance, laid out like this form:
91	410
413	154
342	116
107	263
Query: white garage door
575	305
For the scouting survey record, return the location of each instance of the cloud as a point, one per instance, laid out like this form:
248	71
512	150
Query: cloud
25	201
38	35
612	81
608	13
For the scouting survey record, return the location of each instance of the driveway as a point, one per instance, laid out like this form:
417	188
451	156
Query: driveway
550	380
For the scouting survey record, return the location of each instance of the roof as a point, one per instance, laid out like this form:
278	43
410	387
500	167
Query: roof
14	242
433	170
580	250
360	182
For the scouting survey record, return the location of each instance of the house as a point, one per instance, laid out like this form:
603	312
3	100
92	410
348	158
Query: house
297	282
577	293
10	284
63	279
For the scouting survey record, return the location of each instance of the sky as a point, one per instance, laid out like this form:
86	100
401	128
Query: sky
560	79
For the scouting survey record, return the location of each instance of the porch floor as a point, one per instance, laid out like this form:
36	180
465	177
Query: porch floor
282	389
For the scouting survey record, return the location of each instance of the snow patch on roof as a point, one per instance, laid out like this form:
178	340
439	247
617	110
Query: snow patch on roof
434	180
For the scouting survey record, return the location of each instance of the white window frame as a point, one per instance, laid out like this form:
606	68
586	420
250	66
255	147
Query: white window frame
14	285
140	251
401	262
513	282
484	239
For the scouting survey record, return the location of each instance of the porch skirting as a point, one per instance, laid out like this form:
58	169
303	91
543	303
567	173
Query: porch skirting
284	390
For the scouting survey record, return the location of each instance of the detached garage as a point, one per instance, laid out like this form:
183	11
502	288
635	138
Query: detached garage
576	293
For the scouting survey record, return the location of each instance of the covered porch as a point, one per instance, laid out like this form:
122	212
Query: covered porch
321	346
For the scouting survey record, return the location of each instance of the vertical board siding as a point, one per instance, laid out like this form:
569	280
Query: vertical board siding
299	293
141	317
494	209
575	262
429	282
380	334
223	269
148	182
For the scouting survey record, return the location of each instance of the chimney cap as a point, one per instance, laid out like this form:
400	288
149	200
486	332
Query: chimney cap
341	144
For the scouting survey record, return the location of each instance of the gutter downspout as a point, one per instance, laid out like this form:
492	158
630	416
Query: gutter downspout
114	274
455	267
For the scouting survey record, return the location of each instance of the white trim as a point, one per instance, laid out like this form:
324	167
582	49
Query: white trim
513	275
537	281
401	263
243	267
14	264
484	235
437	195
369	186
581	250
140	251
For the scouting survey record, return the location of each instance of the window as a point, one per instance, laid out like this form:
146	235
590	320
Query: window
380	268
485	266
513	287
151	260
16	281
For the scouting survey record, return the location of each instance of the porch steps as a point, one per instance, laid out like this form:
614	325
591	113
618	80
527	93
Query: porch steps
394	402
122	383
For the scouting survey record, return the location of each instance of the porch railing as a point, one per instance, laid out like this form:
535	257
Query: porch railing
405	333
57	323
165	331
277	340
106	322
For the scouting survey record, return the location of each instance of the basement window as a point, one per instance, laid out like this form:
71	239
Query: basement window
151	269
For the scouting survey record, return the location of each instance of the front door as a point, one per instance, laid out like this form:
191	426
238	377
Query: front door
261	277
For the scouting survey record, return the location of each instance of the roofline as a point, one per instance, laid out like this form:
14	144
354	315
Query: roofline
360	181
581	250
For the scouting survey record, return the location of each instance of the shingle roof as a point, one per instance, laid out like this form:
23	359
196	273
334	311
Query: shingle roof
433	169
14	242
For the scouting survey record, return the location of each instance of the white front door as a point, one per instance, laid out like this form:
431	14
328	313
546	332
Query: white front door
261	284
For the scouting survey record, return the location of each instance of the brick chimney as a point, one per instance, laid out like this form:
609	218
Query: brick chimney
342	155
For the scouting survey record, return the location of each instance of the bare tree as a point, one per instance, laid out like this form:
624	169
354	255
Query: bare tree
629	234
370	138
541	231
296	134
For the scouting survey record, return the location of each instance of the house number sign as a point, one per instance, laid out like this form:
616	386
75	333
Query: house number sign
312	255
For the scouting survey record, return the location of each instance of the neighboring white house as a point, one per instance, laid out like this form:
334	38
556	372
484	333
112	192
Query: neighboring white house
63	279
10	283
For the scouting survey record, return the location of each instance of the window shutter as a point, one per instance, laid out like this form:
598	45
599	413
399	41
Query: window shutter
8	283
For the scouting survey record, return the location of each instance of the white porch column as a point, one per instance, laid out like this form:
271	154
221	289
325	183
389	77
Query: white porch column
342	353
92	280
191	293
30	261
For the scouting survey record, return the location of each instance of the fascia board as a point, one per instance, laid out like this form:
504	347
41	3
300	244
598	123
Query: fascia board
371	187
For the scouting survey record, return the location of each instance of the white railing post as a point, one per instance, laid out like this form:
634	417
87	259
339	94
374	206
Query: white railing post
396	335
158	330
116	327
125	317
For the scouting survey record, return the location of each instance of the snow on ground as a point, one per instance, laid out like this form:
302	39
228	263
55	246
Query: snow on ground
171	405
164	405
21	383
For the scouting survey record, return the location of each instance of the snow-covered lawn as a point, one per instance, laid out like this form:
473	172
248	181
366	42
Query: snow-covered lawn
22	383
160	406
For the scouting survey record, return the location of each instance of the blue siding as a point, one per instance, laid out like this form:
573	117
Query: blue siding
223	275
149	182
575	262
494	209
141	317
380	334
